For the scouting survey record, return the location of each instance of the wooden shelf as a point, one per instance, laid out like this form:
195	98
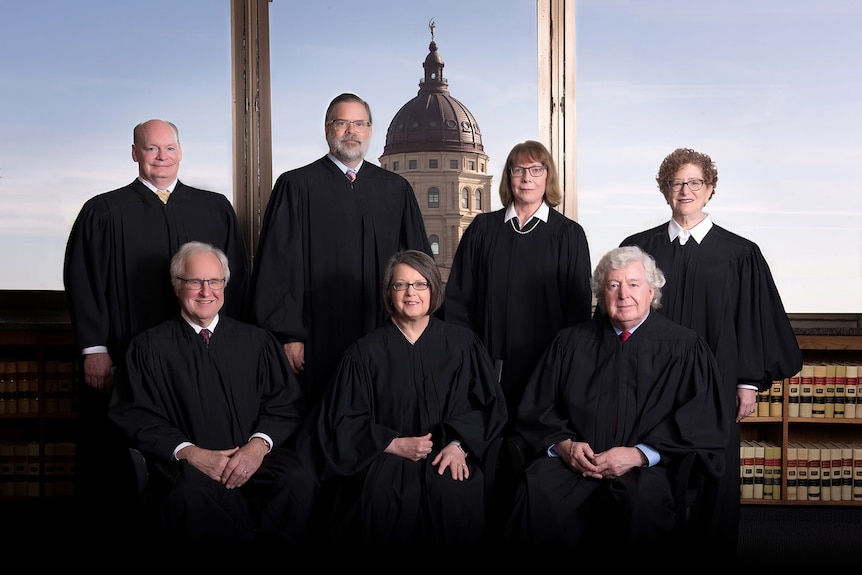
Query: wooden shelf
832	345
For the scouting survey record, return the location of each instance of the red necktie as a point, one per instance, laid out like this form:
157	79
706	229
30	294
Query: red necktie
624	336
205	333
351	175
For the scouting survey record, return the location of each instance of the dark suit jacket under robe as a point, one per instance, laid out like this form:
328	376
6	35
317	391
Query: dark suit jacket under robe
386	387
323	246
723	289
117	266
516	291
662	388
175	388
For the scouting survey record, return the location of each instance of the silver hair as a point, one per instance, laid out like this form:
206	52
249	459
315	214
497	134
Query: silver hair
620	258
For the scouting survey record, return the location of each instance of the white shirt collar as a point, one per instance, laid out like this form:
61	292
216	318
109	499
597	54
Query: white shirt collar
342	166
153	188
541	213
198	328
698	232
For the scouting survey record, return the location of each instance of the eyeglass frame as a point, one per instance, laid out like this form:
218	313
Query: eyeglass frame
358	125
677	187
407	285
189	283
543	169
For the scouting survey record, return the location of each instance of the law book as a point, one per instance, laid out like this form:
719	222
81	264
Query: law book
2	388
759	470
802	472
840	390
846	472
64	468
851	393
772	472
762	406
814	493
857	473
806	390
11	387
34	469
52	382
793	394
790	471
818	405
836	477
7	469
746	470
19	486
776	398
66	387
829	396
49	472
23	387
825	472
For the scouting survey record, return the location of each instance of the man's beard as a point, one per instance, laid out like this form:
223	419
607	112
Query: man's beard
347	153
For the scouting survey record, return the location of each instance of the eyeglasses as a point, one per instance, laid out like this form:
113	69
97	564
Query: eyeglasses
357	125
535	171
693	185
215	284
418	286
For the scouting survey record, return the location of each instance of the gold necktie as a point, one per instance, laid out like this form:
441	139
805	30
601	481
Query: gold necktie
163	195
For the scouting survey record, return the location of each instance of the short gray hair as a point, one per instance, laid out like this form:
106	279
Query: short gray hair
620	258
188	249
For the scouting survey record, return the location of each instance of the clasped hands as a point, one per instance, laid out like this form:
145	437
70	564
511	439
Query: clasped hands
416	448
610	464
230	467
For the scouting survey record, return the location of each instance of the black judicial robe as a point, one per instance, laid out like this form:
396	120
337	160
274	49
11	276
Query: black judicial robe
385	387
175	389
662	388
516	291
324	243
117	263
723	289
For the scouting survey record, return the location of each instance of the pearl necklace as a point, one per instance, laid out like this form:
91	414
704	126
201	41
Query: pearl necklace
523	233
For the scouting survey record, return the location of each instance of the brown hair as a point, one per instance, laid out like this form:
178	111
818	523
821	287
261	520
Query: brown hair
532	151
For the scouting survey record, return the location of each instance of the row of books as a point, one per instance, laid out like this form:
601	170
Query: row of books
19	387
825	390
814	471
23	469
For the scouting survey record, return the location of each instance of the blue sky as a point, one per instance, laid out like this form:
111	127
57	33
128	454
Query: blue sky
769	88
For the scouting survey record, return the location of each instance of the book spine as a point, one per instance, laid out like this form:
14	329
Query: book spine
802	472
825	473
818	406
790	472
762	406
806	391
793	395
840	391
746	469
814	493
835	484
857	474
851	394
829	396
846	472
759	470
776	398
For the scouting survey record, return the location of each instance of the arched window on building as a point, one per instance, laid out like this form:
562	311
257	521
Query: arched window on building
477	203
434	240
433	198
465	199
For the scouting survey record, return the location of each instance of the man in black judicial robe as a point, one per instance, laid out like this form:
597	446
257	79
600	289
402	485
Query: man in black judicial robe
423	384
719	284
117	283
323	244
608	422
211	417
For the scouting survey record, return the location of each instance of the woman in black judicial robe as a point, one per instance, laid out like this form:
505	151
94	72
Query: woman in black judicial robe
522	273
407	419
719	285
594	407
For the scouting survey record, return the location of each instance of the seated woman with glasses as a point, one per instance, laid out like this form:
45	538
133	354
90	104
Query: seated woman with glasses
405	423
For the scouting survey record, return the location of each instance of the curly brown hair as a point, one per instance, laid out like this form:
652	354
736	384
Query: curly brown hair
681	157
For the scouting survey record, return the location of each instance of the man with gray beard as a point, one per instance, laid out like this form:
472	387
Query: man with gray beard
327	233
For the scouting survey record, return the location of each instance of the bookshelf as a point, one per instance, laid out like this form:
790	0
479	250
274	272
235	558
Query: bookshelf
822	347
39	368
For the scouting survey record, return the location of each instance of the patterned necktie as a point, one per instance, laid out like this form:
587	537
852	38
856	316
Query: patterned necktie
163	195
205	333
624	336
351	175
